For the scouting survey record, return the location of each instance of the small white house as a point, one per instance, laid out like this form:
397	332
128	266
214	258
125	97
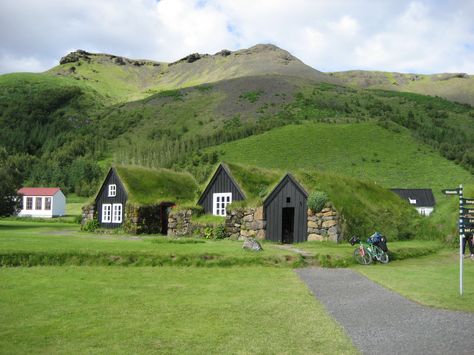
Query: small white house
422	199
44	202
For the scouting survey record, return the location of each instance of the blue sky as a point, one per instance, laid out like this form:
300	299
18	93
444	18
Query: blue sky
404	36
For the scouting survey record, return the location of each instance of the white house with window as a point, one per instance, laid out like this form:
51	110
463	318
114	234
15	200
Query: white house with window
421	199
42	202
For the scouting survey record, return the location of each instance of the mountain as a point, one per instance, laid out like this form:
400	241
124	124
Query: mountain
62	127
127	79
458	87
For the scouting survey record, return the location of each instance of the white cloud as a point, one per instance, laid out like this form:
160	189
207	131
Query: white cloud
422	36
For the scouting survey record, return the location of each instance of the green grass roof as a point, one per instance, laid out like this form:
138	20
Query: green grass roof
149	186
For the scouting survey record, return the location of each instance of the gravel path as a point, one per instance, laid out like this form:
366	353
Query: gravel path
380	321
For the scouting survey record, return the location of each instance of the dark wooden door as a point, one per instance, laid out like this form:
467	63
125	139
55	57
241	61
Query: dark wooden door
288	225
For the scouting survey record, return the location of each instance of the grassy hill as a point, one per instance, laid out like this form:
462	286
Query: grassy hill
457	87
364	151
63	126
123	79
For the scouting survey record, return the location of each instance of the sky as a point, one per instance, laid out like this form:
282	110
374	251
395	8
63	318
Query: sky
390	35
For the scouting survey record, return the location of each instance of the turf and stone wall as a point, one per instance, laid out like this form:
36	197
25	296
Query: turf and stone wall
324	225
243	223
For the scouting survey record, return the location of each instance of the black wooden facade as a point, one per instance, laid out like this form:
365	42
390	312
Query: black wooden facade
286	212
103	198
221	182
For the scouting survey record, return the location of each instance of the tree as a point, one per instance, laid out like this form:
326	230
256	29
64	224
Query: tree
10	181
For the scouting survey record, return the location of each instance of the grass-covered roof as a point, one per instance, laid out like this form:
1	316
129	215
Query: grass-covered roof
149	186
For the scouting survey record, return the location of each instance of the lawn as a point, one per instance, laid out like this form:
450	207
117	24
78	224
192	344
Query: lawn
163	310
431	280
63	243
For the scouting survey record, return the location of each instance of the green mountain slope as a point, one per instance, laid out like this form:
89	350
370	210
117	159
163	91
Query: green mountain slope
123	79
62	126
457	87
364	151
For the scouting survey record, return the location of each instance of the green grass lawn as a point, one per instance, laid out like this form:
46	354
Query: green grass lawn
432	280
364	151
47	240
163	310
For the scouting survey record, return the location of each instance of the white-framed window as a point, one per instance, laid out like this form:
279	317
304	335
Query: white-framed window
112	190
29	203
220	202
47	203
117	213
38	203
412	201
106	213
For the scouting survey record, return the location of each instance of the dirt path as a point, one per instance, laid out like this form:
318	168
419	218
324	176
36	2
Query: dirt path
380	321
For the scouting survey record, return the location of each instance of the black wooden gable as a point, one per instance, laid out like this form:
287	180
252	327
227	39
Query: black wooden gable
285	210
103	197
288	178
221	181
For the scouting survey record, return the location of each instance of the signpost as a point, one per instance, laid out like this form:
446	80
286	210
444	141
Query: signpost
466	222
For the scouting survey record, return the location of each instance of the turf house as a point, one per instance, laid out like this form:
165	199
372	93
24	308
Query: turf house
139	199
260	203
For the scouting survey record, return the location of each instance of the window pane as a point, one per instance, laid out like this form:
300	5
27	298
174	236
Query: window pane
29	203
228	198
47	203
38	203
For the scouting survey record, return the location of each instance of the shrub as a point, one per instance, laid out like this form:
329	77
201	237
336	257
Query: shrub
219	232
317	200
91	225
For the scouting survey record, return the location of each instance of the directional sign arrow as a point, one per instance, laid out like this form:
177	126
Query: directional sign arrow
466	225
467	230
467	221
450	191
466	210
468	201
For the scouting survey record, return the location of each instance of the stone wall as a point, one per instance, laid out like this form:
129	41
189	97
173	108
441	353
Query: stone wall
242	223
88	214
179	222
324	225
142	219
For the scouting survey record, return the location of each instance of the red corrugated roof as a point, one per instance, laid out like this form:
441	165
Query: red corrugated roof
38	191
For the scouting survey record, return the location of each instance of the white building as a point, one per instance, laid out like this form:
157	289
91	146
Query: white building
44	202
422	199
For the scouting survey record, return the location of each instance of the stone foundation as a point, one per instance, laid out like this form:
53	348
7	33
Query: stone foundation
142	219
324	225
243	223
179	222
88	214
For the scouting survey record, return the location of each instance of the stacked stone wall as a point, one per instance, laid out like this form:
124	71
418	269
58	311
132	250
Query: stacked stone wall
179	222
243	223
324	225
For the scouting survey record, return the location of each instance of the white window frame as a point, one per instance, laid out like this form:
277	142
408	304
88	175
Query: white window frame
219	203
106	213
112	190
117	213
412	201
29	198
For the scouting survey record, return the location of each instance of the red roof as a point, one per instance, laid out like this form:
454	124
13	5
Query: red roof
38	191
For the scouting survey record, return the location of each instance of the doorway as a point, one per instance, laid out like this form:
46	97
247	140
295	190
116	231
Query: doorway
164	214
287	225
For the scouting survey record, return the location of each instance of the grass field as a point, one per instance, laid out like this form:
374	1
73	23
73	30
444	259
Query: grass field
164	310
364	151
432	280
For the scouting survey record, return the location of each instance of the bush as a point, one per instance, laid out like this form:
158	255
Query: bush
317	200
91	225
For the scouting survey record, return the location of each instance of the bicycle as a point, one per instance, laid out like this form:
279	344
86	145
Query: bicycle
366	253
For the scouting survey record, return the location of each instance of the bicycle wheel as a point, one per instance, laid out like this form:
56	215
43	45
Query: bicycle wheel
362	256
380	255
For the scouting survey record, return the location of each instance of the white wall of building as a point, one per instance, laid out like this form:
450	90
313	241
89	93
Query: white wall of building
424	211
58	206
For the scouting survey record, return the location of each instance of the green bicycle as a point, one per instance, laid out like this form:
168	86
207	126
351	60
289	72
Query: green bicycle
365	254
